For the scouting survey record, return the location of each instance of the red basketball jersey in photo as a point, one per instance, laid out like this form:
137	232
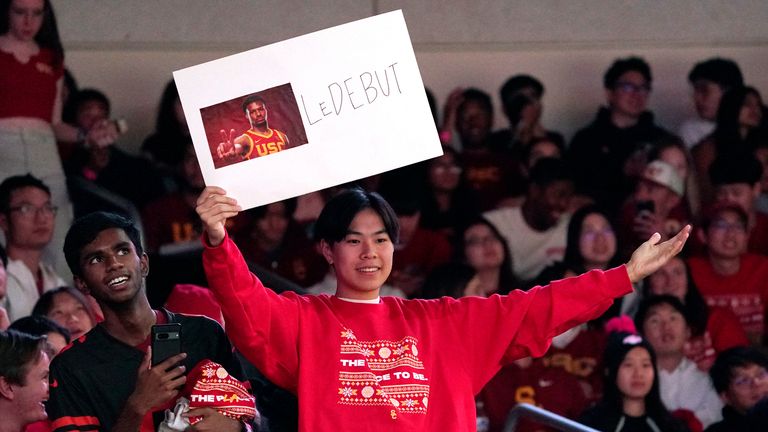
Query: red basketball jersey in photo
263	144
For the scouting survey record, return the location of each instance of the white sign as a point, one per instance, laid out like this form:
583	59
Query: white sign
310	112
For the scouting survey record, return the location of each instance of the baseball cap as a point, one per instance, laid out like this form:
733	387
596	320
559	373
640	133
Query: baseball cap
664	174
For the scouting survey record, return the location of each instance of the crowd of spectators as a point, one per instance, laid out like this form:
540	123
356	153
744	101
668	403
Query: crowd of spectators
498	211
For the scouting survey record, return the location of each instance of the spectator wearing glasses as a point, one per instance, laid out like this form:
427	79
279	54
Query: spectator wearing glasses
603	153
740	377
27	219
728	275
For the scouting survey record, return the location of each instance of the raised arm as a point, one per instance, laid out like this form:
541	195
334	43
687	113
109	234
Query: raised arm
651	255
214	208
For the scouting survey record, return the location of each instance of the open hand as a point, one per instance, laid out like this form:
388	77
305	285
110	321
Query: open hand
214	208
651	255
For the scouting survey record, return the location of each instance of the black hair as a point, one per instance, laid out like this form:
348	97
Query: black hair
17	352
252	99
507	279
727	361
39	325
573	257
733	168
46	37
289	205
166	123
616	349
14	183
727	133
3	256
449	280
517	83
694	303
333	223
651	302
624	65
76	101
44	304
475	95
723	72
511	89
86	228
549	170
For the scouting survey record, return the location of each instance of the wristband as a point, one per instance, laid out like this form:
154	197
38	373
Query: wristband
445	136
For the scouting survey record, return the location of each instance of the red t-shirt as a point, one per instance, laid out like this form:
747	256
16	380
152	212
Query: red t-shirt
28	89
723	331
745	293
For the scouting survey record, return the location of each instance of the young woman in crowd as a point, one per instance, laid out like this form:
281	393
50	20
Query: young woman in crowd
631	401
739	122
590	245
482	248
67	307
713	329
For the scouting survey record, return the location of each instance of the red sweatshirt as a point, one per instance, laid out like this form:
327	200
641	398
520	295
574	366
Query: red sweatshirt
404	365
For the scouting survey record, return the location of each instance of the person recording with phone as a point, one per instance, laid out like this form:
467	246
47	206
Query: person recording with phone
106	380
652	207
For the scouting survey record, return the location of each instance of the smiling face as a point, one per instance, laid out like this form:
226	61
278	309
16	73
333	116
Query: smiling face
28	399
25	18
635	376
111	269
362	260
726	236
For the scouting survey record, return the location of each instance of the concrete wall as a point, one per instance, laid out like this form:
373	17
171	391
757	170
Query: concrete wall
129	49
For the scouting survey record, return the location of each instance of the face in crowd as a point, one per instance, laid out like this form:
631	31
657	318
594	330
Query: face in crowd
362	259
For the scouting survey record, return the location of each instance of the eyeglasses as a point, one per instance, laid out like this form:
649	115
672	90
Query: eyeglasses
628	87
453	169
28	210
746	380
727	226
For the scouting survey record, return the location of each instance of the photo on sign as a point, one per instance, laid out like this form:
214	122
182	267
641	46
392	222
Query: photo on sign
253	125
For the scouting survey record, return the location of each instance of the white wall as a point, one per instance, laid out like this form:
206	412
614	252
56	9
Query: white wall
129	49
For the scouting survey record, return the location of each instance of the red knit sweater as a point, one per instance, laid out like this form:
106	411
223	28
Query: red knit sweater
405	365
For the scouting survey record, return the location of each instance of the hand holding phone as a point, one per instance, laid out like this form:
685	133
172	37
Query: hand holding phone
166	341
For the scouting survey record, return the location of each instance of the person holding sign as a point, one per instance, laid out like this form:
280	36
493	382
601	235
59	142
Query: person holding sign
360	361
259	140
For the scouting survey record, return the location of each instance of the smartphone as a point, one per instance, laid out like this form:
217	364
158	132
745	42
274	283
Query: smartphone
166	341
645	206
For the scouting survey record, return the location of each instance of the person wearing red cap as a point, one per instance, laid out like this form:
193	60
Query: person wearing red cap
358	360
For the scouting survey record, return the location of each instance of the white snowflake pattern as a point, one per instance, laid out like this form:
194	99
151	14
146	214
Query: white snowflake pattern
347	334
367	352
410	403
347	392
209	373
